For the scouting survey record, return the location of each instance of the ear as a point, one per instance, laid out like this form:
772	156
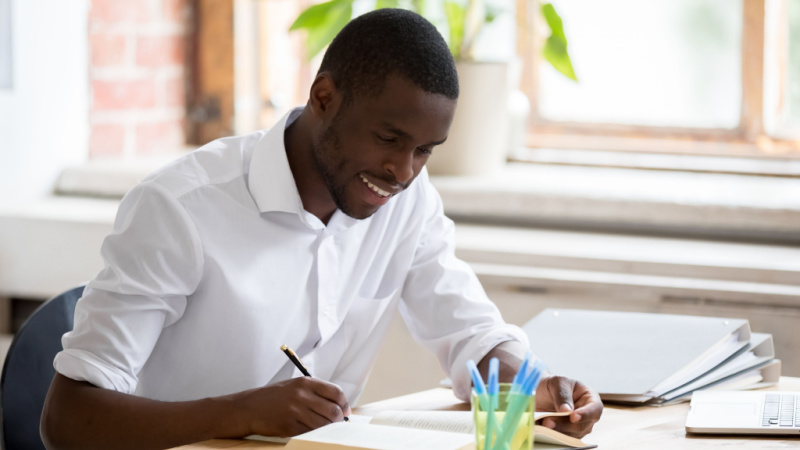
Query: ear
324	98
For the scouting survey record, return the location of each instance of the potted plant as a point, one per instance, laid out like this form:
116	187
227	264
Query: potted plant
477	141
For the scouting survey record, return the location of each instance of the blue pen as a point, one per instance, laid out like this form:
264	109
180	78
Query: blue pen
516	405
536	375
477	380
516	385
494	391
480	390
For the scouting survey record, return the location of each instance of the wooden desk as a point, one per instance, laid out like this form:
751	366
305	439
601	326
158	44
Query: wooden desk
620	428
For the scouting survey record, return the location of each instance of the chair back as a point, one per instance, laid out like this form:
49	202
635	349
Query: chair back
28	370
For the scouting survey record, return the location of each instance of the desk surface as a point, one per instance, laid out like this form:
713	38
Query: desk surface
620	428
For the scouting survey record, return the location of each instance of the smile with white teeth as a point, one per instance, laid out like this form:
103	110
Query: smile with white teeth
374	188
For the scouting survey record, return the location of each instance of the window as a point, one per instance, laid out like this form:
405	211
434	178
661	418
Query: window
693	77
783	51
714	77
272	73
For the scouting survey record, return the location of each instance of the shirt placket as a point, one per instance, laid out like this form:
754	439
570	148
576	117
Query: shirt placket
328	287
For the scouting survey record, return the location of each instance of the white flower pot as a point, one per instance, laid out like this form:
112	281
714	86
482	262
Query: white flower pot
478	139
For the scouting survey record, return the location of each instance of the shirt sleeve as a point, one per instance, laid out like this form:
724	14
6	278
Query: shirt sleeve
153	260
444	304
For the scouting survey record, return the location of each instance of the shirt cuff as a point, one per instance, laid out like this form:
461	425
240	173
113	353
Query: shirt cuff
81	365
475	349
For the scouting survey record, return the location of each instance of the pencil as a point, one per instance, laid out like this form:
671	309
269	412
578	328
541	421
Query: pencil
299	364
295	360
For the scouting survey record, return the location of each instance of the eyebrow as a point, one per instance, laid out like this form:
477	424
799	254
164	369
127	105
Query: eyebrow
394	130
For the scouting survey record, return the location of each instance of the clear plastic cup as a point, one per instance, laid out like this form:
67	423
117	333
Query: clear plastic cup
521	436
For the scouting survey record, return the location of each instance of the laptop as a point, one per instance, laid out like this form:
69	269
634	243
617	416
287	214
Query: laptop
744	412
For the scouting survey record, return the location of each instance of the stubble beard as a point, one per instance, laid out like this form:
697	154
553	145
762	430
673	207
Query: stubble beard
328	160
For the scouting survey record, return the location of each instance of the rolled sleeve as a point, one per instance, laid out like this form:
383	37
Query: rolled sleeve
153	261
444	305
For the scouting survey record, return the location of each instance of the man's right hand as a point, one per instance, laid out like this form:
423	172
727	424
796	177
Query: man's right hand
292	407
79	415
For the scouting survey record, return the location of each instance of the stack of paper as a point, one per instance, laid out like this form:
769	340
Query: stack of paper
652	358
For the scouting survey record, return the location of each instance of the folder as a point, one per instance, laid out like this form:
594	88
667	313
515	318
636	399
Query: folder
633	357
749	363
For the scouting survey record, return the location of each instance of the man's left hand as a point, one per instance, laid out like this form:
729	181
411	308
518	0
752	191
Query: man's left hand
563	394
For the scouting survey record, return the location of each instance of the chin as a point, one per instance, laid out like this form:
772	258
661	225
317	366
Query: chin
365	213
358	211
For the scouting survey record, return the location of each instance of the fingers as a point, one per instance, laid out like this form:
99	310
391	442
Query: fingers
588	406
325	412
563	394
561	391
291	407
334	394
318	403
567	426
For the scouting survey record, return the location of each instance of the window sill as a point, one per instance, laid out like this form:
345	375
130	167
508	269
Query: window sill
668	160
687	203
708	205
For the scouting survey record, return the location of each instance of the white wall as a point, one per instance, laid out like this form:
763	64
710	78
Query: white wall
44	117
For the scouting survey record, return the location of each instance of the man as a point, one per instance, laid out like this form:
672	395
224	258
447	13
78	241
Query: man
310	234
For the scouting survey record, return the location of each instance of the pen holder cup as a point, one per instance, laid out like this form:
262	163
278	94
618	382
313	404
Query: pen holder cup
520	409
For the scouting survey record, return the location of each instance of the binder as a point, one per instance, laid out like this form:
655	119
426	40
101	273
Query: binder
760	352
633	357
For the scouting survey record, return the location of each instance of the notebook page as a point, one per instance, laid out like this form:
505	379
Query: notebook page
383	437
453	421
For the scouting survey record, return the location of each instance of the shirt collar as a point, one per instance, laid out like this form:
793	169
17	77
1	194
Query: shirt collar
272	184
270	179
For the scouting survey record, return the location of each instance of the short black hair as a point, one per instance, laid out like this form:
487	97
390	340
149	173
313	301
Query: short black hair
389	42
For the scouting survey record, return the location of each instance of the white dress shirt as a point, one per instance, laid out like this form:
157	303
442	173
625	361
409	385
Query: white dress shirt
213	264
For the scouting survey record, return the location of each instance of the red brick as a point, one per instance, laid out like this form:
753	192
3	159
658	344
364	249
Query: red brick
160	50
106	139
116	11
159	137
175	10
108	49
123	94
175	92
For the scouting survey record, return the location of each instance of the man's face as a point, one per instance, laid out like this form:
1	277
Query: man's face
375	147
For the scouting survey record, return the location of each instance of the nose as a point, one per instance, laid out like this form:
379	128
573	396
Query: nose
401	165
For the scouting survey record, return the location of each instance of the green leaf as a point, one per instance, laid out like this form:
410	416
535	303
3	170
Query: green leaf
456	15
322	22
492	11
555	48
553	20
319	37
313	16
555	52
379	4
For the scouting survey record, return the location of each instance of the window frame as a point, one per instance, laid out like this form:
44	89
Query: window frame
749	139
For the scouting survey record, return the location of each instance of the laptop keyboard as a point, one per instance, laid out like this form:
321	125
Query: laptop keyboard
781	410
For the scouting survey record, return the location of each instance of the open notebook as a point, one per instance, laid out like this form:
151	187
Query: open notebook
408	429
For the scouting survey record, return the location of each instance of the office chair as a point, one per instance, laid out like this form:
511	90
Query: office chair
28	370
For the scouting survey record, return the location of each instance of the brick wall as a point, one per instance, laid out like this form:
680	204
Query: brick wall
138	76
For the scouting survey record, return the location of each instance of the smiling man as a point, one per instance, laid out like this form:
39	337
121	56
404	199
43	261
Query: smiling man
311	234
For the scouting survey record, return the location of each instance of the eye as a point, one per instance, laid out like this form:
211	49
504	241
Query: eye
425	150
386	140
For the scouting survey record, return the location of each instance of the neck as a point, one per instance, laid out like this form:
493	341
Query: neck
300	152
